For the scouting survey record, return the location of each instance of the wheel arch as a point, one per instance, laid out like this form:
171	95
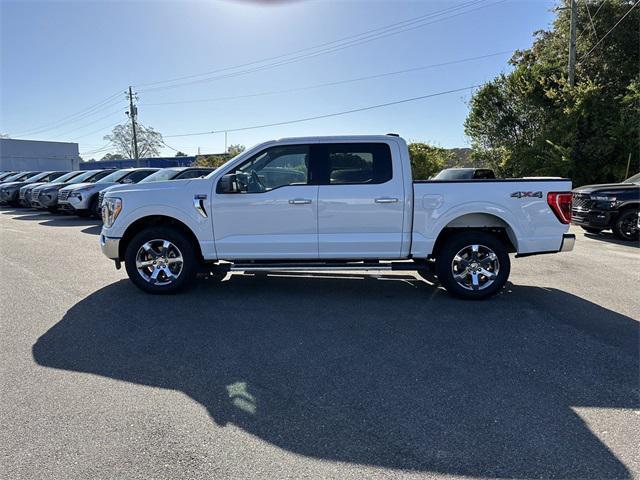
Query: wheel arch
484	222
158	221
629	205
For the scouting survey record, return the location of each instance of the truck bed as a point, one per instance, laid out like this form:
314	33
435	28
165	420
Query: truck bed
516	204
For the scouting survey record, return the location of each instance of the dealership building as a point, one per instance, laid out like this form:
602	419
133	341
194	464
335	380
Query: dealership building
36	155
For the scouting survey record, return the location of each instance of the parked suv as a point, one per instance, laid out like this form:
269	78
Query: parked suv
82	199
9	191
25	192
46	196
611	206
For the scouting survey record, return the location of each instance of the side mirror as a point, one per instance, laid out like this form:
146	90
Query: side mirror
228	184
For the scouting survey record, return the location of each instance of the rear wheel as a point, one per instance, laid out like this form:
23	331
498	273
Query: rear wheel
161	260
591	230
626	225
473	265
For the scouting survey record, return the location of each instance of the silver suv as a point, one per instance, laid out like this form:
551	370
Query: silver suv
82	199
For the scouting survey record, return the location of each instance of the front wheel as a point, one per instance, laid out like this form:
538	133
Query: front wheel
161	260
626	226
473	265
94	210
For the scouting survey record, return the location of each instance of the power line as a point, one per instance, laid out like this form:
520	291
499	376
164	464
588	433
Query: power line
103	104
111	114
328	84
169	146
328	115
586	4
107	146
315	54
611	30
315	47
101	129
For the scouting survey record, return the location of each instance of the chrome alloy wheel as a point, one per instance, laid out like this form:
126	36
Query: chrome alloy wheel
159	262
475	267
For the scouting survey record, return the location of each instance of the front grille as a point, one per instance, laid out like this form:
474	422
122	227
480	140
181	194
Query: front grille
581	201
63	195
22	194
100	199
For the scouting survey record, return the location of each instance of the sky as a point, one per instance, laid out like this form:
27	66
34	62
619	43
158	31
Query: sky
65	66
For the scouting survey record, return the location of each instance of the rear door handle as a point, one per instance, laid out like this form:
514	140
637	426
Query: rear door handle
299	201
386	200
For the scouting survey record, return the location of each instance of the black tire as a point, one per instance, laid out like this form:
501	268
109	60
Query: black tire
190	263
465	240
83	213
593	231
52	209
626	225
93	207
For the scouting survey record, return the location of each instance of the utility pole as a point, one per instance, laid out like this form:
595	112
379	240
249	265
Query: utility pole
225	141
572	43
133	113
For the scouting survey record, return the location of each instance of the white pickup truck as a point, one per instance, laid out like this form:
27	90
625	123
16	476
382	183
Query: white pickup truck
332	203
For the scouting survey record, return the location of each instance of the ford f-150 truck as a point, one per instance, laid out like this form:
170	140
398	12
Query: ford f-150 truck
332	203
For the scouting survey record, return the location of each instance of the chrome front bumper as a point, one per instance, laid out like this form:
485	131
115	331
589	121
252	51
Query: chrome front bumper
110	247
568	241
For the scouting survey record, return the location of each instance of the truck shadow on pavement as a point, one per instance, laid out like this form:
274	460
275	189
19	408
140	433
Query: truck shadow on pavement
383	372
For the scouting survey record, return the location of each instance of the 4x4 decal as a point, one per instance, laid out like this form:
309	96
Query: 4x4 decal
526	194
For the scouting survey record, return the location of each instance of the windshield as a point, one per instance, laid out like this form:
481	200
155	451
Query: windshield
38	177
20	176
7	175
635	179
84	176
454	174
160	175
114	177
65	177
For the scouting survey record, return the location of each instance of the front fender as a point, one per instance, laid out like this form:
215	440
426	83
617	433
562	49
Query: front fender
200	226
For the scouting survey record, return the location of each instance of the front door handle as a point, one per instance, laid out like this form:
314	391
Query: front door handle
386	200
300	201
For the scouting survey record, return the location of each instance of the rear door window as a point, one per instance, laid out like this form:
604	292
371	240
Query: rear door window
355	163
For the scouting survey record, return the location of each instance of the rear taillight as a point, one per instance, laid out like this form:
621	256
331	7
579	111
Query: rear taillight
560	203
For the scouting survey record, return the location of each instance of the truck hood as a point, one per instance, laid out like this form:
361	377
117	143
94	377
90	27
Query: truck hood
150	186
606	187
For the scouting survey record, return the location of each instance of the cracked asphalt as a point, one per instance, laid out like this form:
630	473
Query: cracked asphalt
313	376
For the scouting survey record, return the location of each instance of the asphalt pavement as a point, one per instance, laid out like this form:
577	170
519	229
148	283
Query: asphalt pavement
313	376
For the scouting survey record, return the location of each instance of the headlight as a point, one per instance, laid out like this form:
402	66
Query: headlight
603	198
111	208
77	193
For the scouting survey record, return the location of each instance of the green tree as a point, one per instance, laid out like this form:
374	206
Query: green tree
530	122
216	160
427	160
180	154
